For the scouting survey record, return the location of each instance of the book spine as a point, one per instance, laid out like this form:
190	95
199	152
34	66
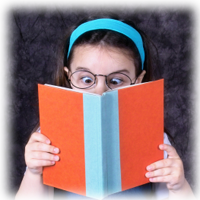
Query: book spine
94	159
111	143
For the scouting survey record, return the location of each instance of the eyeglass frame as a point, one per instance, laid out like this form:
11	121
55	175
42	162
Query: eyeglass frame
95	75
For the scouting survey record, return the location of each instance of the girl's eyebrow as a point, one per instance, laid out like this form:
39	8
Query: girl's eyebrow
118	71
121	71
82	68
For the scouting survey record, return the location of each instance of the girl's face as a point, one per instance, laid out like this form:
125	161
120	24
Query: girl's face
102	60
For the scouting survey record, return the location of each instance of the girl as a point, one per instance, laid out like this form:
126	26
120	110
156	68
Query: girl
100	55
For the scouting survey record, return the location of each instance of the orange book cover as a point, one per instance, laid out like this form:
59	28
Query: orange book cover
105	141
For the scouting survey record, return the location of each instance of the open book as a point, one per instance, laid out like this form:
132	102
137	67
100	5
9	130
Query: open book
106	141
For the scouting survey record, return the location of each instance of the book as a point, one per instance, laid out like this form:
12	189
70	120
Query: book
106	141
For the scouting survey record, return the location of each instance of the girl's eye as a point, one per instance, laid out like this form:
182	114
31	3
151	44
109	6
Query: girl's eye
116	81
87	80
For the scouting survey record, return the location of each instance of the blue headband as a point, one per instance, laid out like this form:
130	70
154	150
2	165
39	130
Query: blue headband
109	24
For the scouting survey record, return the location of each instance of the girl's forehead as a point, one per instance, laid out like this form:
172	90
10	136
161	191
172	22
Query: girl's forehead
101	58
100	49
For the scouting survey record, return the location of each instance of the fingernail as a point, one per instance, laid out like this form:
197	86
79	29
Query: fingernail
56	150
148	174
53	162
161	146
48	141
149	168
56	158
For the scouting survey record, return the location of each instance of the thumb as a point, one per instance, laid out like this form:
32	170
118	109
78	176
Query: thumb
171	151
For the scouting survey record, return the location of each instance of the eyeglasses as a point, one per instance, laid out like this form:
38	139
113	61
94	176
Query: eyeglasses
83	79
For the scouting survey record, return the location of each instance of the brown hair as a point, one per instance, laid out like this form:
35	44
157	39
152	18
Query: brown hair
106	38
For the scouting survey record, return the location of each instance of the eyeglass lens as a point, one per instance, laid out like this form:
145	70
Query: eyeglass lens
85	79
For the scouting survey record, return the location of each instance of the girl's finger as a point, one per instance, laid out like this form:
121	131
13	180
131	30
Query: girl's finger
44	156
163	179
39	146
160	164
38	137
171	151
34	163
159	172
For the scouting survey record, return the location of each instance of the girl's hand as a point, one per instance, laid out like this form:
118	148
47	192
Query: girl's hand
168	170
39	153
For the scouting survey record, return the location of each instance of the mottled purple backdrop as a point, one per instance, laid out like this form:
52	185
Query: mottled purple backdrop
34	40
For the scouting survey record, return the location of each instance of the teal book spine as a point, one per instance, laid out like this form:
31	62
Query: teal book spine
102	151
